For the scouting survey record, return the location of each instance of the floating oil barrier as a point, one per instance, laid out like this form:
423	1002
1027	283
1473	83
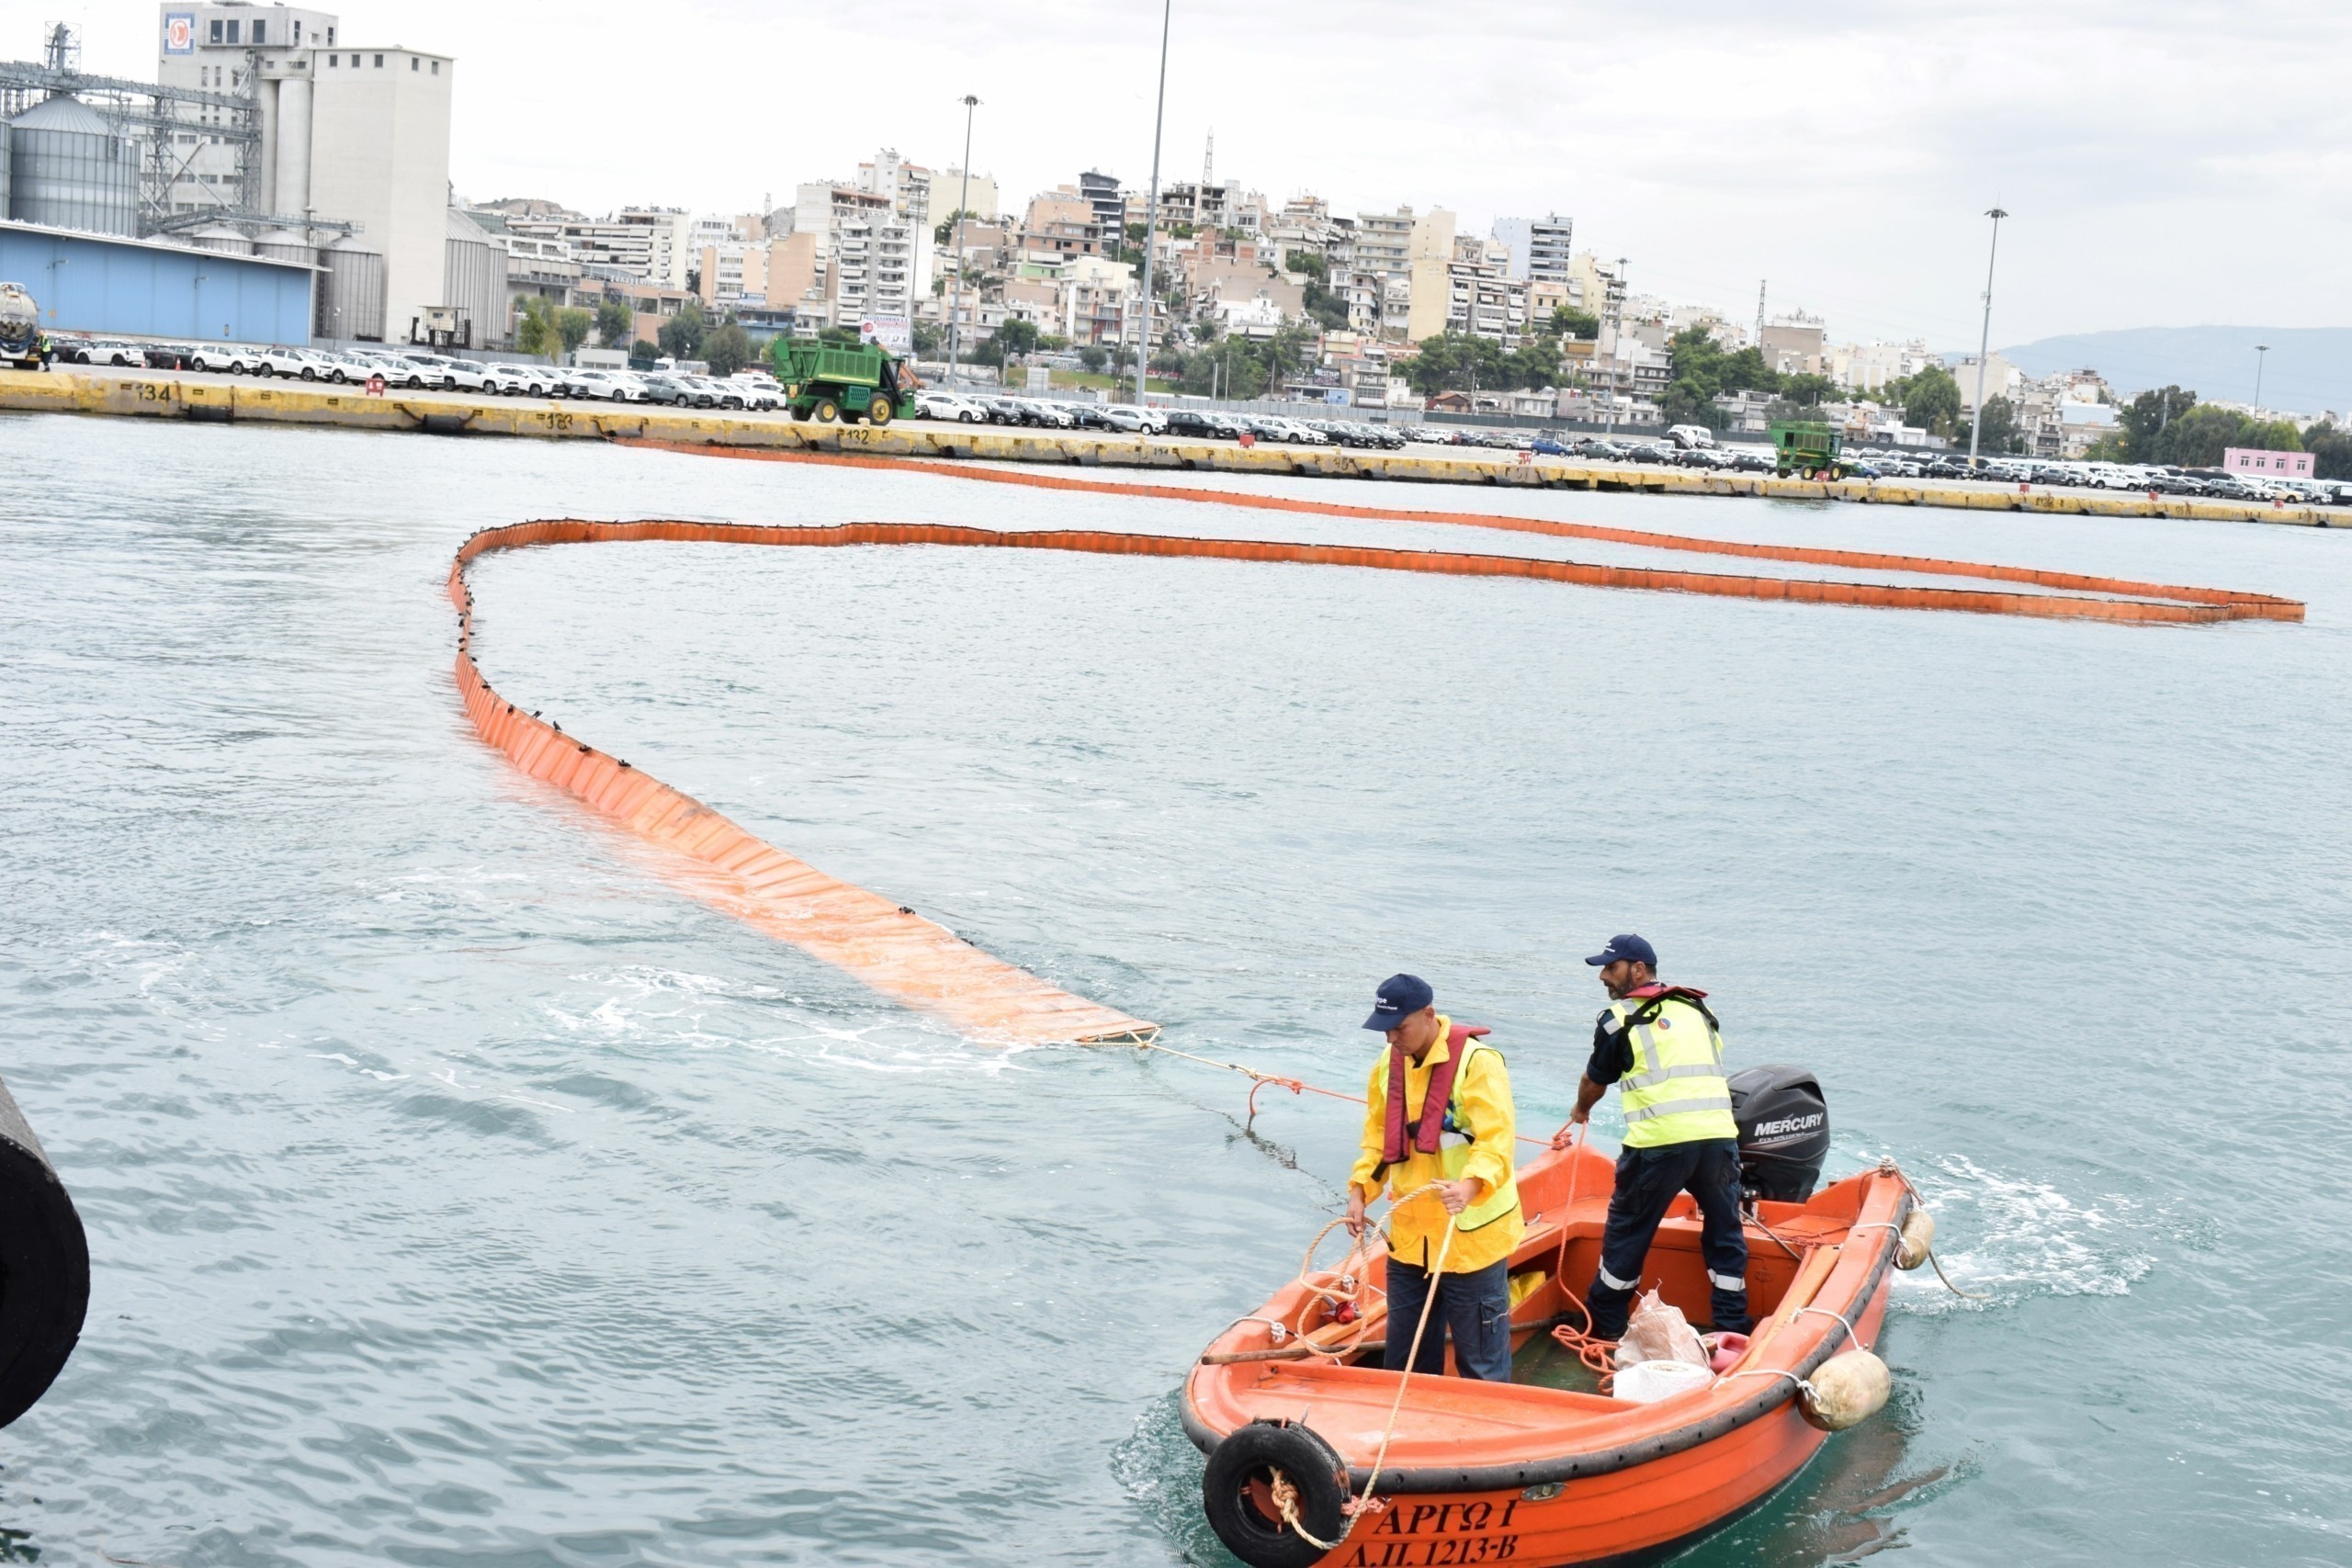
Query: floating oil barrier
2080	597
926	966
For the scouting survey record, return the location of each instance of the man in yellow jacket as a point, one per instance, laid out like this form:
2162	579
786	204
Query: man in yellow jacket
1439	1113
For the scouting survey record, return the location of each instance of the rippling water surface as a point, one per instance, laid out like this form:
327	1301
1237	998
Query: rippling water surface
462	1190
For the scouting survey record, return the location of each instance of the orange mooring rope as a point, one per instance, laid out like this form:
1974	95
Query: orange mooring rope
2111	598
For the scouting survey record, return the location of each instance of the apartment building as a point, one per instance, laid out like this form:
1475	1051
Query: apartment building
909	188
1865	368
1541	248
1793	344
1384	242
863	249
1108	201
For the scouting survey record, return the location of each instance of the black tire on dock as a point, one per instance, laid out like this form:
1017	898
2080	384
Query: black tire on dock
45	1260
1236	1486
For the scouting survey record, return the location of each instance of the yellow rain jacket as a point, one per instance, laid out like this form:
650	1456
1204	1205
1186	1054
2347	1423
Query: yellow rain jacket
1482	1090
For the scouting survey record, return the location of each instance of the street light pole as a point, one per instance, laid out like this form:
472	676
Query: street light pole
963	205
2260	349
1984	341
1151	204
1616	300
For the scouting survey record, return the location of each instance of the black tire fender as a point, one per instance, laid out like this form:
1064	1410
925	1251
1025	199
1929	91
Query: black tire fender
46	1260
1233	1492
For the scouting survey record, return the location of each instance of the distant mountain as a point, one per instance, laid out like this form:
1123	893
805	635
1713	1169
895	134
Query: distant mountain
2308	370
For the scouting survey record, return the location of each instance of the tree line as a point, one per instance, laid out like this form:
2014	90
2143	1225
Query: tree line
2168	425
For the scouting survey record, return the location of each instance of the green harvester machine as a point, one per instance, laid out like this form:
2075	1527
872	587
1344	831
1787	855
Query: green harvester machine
828	383
1807	447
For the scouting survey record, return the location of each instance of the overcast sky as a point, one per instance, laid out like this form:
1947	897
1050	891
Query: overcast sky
2167	163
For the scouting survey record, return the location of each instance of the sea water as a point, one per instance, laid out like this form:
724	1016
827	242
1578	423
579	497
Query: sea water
463	1188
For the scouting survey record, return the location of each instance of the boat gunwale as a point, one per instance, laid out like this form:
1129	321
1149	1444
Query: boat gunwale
1777	1391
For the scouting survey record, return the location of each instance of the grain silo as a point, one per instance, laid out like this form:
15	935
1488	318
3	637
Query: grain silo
351	292
69	169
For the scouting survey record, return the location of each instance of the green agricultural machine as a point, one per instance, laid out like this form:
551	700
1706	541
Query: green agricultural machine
1807	447
826	383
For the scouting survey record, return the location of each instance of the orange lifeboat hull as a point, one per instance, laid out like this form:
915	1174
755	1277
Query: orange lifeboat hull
1489	1472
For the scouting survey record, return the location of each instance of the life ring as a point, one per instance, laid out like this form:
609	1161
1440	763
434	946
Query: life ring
1237	1493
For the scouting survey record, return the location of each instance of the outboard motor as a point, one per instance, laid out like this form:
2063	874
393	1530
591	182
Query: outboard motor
1783	1131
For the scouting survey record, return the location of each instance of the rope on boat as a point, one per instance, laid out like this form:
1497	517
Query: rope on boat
1889	1168
1364	1504
1598	1356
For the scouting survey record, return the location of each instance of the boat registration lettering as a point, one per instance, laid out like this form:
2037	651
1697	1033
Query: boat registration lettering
1452	1533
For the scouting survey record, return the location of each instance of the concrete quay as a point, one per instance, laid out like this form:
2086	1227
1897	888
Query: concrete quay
226	398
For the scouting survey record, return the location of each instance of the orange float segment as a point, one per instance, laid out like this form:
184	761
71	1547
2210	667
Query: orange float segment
2241	605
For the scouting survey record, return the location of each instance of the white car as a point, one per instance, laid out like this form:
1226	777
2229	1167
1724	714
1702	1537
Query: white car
952	406
321	365
398	370
519	380
277	361
1127	417
223	356
720	394
613	386
759	392
447	374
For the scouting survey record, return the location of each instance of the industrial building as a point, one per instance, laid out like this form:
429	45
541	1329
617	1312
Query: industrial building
265	137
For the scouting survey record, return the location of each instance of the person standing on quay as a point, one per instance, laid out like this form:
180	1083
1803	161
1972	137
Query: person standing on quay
1663	1049
1439	1113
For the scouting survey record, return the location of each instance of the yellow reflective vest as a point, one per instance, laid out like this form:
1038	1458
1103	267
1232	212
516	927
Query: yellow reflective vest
1676	1092
1484	1149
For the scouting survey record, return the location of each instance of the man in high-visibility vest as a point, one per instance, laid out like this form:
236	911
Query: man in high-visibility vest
1438	1111
1663	1049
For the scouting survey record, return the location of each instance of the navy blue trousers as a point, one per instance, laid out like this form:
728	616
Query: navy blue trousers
1647	1181
1475	1308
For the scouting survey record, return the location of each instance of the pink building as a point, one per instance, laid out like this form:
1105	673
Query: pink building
2268	465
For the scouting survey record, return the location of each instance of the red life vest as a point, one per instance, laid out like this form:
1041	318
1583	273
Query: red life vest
1434	1102
1658	991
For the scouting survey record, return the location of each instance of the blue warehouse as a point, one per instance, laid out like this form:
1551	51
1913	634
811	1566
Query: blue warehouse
99	283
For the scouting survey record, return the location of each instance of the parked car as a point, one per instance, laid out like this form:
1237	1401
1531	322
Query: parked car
450	375
518	381
1752	462
952	406
220	357
166	355
761	393
1198	423
1126	417
1593	447
399	370
610	386
671	389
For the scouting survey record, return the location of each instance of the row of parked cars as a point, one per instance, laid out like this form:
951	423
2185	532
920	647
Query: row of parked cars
1206	424
420	371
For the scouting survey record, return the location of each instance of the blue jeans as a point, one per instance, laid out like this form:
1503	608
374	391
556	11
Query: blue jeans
1475	1308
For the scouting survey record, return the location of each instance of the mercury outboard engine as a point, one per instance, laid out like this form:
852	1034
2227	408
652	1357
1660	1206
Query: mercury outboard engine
1783	1131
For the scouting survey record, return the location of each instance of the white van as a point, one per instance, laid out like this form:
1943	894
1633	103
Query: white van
1687	437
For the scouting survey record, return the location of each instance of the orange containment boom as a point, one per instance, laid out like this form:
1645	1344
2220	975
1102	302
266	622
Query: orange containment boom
892	948
928	967
2081	597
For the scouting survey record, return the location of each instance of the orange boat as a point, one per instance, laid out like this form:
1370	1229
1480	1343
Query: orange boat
1292	1417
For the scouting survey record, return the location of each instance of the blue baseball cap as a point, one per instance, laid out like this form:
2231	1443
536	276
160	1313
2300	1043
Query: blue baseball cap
1626	947
1400	996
